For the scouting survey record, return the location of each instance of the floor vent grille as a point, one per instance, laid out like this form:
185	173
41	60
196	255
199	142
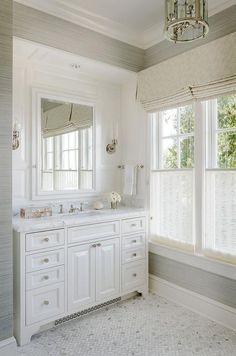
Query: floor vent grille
86	311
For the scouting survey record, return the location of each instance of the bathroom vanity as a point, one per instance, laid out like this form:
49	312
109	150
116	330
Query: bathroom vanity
66	266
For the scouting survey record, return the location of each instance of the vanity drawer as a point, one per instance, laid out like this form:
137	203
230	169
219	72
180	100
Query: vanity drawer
45	239
45	303
44	277
132	241
44	260
133	225
133	275
93	231
133	255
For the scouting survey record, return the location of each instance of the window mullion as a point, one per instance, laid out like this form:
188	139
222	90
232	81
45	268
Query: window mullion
199	175
213	119
160	141
178	138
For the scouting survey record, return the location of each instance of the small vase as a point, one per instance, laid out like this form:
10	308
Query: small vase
113	205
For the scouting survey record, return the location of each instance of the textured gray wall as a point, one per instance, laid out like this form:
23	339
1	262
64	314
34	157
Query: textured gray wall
197	280
221	24
49	30
5	169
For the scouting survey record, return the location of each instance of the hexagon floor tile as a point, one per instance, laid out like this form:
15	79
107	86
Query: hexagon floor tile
150	326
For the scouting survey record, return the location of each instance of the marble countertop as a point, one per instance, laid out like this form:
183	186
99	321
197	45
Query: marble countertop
63	220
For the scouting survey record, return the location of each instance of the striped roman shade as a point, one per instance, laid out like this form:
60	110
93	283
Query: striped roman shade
65	118
201	73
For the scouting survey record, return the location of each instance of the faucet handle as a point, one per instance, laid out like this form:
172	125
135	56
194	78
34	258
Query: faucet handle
81	205
61	209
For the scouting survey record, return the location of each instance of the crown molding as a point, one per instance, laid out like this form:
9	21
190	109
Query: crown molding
78	15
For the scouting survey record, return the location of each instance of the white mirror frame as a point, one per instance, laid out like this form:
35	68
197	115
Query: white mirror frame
36	144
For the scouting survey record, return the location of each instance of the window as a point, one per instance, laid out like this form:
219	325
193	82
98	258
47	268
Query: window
220	197
172	175
210	125
67	161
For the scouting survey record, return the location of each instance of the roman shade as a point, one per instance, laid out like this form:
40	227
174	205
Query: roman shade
66	118
201	73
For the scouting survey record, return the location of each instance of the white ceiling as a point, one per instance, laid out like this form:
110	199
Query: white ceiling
54	61
138	22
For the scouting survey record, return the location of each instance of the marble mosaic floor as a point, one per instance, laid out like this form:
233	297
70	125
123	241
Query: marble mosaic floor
148	326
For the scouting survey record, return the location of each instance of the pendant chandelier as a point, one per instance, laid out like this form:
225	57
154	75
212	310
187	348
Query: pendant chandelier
186	20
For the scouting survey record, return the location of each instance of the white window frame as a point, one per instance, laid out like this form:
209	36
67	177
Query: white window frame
156	166
204	159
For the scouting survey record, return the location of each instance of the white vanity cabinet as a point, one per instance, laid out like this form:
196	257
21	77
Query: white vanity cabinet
59	272
93	273
81	276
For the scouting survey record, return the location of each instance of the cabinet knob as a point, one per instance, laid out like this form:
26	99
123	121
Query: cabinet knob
134	274
134	241
46	239
99	244
46	302
94	245
46	260
46	277
134	254
133	225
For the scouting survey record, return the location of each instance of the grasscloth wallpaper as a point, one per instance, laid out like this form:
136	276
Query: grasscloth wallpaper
5	169
210	285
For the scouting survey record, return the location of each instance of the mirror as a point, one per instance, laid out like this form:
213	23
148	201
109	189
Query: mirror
66	146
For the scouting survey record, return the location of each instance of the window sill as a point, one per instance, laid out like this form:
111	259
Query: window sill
198	261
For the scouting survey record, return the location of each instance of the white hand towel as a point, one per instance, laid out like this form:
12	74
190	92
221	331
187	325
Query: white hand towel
130	180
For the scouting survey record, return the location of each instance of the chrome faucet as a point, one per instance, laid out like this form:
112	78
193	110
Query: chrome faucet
72	209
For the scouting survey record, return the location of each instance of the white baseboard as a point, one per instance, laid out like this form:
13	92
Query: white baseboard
8	347
207	307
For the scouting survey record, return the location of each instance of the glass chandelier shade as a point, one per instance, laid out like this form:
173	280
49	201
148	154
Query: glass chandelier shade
186	20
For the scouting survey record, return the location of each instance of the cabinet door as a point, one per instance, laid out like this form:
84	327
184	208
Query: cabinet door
107	269
81	276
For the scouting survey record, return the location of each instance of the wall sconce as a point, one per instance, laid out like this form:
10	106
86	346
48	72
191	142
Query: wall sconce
16	136
111	147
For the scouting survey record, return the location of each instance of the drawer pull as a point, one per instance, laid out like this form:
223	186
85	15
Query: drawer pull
134	274
133	225
134	254
94	245
99	244
46	239
46	302
46	260
134	241
46	278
